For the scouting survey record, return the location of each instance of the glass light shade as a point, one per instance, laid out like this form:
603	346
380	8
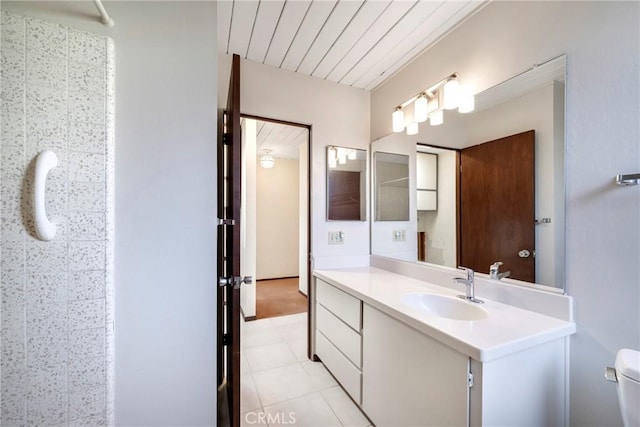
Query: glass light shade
412	129
433	103
436	118
352	155
451	94
398	120
342	155
332	160
267	161
467	103
420	109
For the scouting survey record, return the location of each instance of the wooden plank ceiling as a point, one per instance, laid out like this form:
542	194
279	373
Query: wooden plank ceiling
353	42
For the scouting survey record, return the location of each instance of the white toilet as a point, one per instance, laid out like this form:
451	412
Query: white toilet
627	376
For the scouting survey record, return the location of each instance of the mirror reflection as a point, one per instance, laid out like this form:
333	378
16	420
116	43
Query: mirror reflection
495	201
346	184
391	187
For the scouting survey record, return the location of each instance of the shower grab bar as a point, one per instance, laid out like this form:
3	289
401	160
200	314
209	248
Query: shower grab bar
104	16
45	161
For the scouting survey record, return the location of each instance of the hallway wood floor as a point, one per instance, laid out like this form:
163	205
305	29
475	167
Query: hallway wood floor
279	297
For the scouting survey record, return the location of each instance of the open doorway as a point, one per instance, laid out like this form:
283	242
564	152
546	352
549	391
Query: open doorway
274	217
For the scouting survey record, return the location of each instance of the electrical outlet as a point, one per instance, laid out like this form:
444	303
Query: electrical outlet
399	235
336	238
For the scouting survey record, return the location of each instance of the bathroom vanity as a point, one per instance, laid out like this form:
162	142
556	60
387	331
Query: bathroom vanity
408	363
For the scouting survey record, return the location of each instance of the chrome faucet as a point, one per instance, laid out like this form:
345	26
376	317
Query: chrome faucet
494	271
470	286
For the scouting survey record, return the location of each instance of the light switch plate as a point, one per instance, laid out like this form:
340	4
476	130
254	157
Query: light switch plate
399	235
336	238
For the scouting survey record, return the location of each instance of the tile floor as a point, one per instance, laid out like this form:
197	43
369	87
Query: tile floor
280	386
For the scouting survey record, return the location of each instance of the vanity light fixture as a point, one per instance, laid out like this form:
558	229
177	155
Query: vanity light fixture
332	158
342	155
436	118
467	103
412	129
420	109
398	119
266	160
451	94
429	104
434	104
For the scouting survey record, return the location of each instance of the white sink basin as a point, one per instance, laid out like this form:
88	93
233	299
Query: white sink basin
443	306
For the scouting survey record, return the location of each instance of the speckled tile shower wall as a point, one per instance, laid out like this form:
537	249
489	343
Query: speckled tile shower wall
56	301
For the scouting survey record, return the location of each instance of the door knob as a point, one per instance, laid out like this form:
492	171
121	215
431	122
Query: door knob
524	253
235	281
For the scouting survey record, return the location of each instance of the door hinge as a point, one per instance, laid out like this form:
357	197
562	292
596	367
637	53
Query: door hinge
470	379
225	339
226	221
236	281
226	138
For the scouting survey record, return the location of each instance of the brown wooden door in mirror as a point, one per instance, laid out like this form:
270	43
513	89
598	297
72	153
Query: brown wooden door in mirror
344	195
497	205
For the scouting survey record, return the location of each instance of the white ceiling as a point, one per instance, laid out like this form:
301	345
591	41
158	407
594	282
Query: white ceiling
352	42
282	140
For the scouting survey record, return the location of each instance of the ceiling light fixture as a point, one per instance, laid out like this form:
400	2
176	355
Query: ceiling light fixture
266	160
429	104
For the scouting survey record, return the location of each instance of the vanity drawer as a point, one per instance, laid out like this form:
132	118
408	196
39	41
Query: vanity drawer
343	337
343	305
344	371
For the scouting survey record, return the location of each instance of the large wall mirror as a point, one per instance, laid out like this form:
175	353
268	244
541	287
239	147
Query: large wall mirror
391	176
499	174
346	184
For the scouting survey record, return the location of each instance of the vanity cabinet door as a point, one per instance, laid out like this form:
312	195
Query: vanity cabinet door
408	379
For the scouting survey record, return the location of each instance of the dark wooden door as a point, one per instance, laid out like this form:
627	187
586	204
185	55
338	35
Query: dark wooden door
228	263
344	195
497	205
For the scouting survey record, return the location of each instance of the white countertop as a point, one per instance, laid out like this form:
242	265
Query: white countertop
507	329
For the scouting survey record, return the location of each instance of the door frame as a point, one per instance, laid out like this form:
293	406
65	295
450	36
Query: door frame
309	210
458	194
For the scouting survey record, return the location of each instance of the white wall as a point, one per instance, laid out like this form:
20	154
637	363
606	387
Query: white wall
339	115
278	220
382	231
440	225
303	230
602	41
248	220
165	204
